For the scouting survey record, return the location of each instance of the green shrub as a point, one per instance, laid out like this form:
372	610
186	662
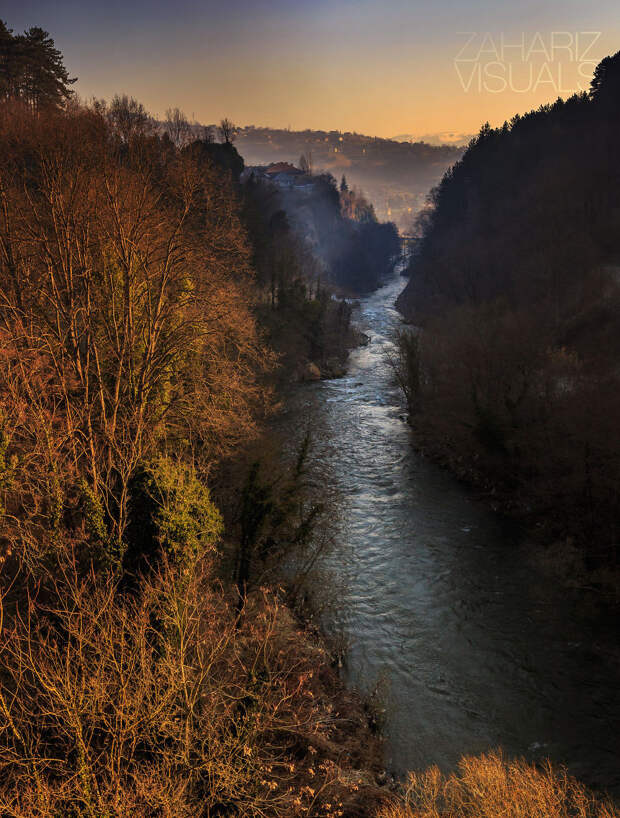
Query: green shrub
185	520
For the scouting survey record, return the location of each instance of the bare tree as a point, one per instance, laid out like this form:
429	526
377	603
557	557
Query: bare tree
128	116
167	703
178	127
118	315
228	131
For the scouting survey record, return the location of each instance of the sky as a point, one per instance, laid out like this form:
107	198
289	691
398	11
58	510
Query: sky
397	67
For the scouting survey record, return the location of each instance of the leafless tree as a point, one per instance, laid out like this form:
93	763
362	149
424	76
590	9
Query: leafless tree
128	116
228	131
178	127
121	326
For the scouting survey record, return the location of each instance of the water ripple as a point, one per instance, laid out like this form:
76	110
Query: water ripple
475	650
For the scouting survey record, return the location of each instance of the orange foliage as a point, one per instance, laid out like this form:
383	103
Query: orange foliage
488	786
170	703
125	310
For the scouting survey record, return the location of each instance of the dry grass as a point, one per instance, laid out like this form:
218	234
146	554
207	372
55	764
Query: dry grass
489	786
171	703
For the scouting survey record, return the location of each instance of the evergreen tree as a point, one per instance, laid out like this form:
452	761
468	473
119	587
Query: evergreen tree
32	68
605	86
10	62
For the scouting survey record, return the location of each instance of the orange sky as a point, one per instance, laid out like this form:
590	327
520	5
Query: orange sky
381	68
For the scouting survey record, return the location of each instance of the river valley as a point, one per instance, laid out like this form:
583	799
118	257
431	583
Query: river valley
438	600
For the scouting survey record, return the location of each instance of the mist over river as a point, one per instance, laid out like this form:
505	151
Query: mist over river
438	598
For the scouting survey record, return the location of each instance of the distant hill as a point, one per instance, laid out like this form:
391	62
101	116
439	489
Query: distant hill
396	176
453	138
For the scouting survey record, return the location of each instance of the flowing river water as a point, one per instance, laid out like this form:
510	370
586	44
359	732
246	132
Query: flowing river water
439	600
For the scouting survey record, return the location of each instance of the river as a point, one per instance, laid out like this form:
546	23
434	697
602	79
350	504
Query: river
439	600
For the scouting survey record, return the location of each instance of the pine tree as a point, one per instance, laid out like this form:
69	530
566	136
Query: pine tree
10	63
605	86
32	68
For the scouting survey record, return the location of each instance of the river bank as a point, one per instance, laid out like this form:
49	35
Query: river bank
438	602
560	556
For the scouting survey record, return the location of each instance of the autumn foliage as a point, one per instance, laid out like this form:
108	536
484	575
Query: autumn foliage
489	786
135	678
171	702
126	324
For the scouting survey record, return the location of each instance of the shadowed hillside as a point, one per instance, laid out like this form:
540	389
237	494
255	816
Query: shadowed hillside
514	378
394	175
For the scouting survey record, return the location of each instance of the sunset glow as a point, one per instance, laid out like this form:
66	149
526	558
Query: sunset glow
382	68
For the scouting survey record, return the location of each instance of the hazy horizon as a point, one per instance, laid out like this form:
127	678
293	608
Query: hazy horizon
370	67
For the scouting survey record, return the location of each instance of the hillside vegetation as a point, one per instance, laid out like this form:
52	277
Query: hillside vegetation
146	667
514	378
395	175
151	665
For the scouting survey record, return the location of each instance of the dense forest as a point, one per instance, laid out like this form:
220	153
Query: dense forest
513	379
153	658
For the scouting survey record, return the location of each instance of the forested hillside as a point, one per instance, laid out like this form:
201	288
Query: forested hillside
352	251
150	661
515	282
396	175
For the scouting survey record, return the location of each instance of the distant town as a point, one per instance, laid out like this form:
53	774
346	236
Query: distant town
396	176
